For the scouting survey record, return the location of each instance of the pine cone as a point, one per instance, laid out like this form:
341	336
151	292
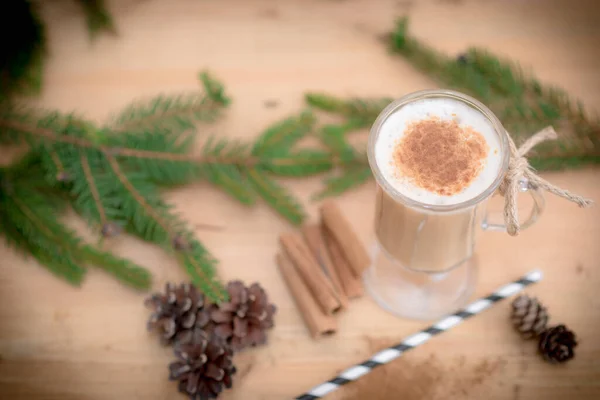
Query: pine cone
244	319
528	316
177	311
204	366
557	344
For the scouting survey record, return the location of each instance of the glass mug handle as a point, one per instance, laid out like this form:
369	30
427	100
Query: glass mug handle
539	204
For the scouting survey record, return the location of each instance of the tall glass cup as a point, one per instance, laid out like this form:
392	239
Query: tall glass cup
423	263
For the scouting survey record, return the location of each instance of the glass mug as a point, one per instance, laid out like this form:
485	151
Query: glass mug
423	263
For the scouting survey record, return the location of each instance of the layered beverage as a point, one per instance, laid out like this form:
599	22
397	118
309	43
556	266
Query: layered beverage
436	159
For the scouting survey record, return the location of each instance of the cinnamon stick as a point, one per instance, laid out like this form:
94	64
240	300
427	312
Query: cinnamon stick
351	283
342	231
318	323
310	271
314	239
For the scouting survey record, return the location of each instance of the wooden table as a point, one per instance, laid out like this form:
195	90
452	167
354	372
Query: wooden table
57	342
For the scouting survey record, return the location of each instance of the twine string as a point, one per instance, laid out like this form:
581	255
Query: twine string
519	172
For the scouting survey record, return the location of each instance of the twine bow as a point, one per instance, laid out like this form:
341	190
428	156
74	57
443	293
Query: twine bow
520	173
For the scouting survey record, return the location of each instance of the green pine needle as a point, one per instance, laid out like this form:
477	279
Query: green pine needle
174	114
214	89
301	163
276	196
334	138
349	179
230	179
124	270
200	266
112	179
359	112
59	264
523	104
98	18
279	138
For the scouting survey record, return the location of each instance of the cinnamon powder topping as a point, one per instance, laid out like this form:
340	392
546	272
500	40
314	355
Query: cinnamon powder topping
440	156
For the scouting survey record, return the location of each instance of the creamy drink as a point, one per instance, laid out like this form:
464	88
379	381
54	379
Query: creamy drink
437	157
439	154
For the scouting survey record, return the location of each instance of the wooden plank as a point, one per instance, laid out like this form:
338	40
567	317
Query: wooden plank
57	342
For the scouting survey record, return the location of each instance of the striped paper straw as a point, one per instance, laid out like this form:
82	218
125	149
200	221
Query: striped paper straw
444	324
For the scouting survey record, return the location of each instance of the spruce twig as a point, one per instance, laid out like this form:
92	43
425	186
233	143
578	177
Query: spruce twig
98	18
114	177
112	180
93	189
523	104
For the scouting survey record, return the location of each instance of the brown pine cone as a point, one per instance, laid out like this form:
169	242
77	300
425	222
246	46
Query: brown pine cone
244	319
528	316
557	344
177	311
204	367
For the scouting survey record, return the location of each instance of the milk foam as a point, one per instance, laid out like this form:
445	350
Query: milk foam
393	128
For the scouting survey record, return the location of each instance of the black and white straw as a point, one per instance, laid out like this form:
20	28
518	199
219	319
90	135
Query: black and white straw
444	324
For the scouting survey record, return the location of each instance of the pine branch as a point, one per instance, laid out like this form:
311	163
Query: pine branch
154	227
214	88
98	18
230	179
276	196
89	178
348	179
360	113
523	104
197	261
122	269
353	164
175	114
36	227
43	249
150	219
222	163
54	262
279	138
301	163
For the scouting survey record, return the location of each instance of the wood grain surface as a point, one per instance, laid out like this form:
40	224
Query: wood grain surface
57	342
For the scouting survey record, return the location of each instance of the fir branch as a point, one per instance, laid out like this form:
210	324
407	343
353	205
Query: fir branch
348	179
521	102
148	231
34	218
54	262
279	138
97	16
85	165
214	88
359	112
152	222
176	113
43	135
353	164
173	114
195	261
230	179
222	162
25	229
334	138
135	276
301	163
60	169
276	196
